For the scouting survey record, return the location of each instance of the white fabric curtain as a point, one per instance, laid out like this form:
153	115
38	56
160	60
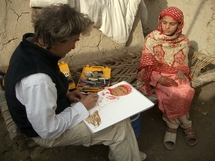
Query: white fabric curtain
114	18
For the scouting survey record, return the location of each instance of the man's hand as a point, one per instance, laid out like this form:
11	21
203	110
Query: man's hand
165	81
74	96
181	77
90	100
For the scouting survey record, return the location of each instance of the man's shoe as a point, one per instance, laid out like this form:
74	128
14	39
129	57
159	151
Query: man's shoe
142	156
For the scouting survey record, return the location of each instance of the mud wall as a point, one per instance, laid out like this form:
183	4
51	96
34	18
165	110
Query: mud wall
199	15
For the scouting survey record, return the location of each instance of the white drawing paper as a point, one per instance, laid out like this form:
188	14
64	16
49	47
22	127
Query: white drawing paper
112	108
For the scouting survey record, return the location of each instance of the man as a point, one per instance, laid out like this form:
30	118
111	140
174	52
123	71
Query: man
37	92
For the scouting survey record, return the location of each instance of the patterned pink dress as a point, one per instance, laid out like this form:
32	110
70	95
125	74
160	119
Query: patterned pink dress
164	56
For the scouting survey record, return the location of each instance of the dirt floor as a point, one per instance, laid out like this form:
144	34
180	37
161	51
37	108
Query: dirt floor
150	140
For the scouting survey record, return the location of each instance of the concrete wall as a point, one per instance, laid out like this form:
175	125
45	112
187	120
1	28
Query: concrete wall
15	20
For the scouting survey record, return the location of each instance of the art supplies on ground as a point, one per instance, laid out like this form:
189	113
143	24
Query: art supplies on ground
94	78
115	104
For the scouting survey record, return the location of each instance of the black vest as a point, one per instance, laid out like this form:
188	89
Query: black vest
28	59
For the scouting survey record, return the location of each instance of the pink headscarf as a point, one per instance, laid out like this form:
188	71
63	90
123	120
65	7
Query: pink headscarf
176	14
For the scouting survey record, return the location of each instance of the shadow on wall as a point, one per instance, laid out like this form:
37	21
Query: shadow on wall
193	48
193	43
196	14
154	8
137	19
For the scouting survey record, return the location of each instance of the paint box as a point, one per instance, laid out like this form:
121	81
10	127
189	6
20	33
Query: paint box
94	78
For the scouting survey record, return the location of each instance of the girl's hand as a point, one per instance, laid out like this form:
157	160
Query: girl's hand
181	77
165	81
